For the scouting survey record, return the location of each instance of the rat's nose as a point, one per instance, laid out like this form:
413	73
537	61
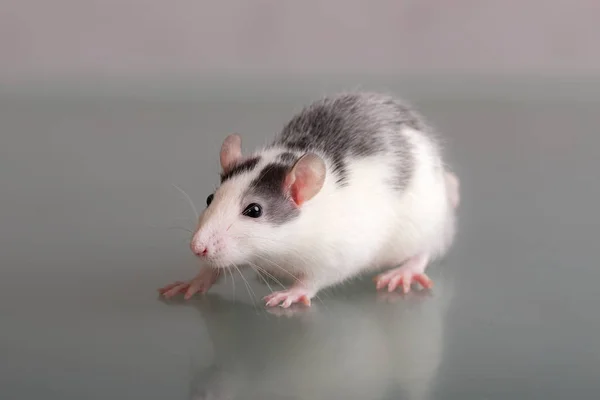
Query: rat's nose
203	252
199	249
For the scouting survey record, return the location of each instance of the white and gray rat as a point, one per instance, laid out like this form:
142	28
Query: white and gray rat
355	182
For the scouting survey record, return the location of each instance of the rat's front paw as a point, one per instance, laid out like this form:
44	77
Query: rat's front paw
288	297
200	284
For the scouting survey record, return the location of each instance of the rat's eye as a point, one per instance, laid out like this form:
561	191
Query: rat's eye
209	199
253	211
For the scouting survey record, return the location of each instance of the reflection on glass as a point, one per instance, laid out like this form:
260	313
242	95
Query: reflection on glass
365	345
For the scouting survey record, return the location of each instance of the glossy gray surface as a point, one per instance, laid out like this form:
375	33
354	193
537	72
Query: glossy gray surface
88	231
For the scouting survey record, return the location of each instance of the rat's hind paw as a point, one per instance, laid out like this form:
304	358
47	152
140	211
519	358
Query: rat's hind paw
288	297
412	271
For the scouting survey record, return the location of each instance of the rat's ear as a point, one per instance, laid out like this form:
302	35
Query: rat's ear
306	178
231	151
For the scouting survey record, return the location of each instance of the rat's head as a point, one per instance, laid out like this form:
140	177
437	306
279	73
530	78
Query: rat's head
251	211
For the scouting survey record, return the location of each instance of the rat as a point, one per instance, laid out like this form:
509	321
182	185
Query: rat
355	182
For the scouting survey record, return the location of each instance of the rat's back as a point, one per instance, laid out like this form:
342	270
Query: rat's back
349	127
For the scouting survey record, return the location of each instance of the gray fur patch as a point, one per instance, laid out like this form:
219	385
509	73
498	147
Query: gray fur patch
245	166
288	158
268	187
355	125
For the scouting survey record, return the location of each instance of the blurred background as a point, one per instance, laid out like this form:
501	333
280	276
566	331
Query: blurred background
152	39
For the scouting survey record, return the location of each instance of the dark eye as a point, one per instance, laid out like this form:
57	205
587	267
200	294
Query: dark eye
253	211
209	199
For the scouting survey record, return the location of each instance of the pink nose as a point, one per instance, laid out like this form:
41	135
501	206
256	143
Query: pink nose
199	250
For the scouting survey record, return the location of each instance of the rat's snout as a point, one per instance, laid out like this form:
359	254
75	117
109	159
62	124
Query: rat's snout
205	246
200	248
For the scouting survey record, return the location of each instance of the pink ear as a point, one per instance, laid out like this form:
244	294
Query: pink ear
306	178
231	151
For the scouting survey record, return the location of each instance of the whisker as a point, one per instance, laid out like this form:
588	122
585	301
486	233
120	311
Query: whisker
279	266
225	275
288	272
302	256
189	199
258	272
172	227
248	287
232	280
182	228
269	275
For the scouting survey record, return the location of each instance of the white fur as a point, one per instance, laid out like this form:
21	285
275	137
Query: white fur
341	231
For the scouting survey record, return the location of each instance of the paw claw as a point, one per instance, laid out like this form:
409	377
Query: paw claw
168	287
200	284
305	300
424	280
405	276
394	282
286	298
172	291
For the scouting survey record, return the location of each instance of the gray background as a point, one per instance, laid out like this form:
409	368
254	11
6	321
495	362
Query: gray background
157	38
104	106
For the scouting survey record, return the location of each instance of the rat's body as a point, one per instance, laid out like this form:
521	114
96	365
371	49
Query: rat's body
354	182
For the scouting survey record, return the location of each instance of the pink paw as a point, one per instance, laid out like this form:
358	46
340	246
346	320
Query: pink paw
288	297
200	284
402	276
